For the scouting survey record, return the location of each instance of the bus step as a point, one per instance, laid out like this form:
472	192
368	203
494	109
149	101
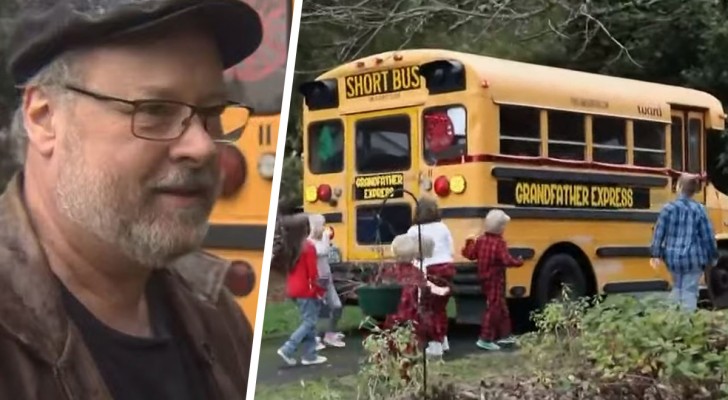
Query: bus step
469	291
469	309
466	278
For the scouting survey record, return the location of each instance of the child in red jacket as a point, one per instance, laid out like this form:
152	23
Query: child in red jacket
302	286
491	252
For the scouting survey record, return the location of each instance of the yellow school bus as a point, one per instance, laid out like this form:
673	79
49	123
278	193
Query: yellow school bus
238	222
581	162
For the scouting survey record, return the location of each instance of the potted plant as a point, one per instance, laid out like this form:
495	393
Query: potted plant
379	295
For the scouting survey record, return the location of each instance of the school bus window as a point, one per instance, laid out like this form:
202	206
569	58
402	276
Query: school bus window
326	147
520	133
609	137
649	143
383	144
445	133
566	135
694	128
677	143
394	219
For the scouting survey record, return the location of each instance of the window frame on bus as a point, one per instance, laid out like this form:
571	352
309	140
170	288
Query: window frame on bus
425	155
550	141
677	143
393	205
648	150
410	142
522	139
694	155
624	148
309	153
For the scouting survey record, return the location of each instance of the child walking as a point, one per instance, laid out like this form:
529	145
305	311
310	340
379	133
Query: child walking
406	250
491	252
438	266
321	239
302	286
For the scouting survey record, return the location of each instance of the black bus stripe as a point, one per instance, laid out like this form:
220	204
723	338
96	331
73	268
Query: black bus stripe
235	237
552	213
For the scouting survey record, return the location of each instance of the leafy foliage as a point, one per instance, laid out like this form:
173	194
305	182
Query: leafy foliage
392	367
642	345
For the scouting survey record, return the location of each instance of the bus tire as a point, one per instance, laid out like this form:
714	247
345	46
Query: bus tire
557	270
716	281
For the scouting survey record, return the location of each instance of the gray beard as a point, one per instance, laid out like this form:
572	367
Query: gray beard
123	215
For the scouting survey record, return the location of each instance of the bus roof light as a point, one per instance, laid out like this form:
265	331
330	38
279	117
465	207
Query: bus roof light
398	57
442	186
233	168
360	64
379	60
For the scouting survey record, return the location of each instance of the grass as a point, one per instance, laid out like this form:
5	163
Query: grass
282	318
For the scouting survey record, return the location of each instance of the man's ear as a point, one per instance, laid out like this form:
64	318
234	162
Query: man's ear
37	117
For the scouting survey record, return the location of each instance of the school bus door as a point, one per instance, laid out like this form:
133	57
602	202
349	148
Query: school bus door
688	144
386	158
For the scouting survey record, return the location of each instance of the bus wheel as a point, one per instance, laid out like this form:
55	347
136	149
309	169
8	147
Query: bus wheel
559	271
716	279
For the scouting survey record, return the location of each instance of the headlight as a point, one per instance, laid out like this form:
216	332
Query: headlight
266	165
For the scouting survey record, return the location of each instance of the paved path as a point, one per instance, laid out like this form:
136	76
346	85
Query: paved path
272	370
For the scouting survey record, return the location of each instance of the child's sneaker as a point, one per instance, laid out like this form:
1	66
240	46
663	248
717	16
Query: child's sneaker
289	360
445	345
316	361
319	344
434	349
490	346
340	335
333	341
507	341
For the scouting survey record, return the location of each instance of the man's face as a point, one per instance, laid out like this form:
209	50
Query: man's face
152	199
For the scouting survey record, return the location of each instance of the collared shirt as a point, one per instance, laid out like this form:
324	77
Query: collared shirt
442	253
684	236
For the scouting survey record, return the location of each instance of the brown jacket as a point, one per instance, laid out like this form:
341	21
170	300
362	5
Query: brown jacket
42	354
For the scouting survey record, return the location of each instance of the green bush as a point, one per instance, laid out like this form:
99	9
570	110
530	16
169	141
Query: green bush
653	339
635	340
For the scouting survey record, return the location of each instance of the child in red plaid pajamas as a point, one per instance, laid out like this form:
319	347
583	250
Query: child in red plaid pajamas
406	249
439	267
491	252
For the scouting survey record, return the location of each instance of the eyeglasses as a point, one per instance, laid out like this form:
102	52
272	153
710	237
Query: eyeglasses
166	120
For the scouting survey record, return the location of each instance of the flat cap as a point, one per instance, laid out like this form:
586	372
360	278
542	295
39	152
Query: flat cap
45	29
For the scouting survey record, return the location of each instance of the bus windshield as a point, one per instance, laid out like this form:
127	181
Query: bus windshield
383	144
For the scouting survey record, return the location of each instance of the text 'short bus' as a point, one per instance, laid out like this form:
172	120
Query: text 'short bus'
581	162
